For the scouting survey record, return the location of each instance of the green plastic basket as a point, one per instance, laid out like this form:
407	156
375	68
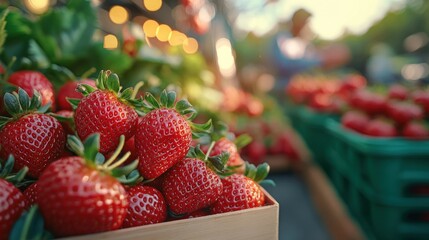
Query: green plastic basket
388	166
311	126
373	176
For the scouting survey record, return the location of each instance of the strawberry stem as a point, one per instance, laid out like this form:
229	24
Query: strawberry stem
209	151
117	151
136	89
120	161
88	73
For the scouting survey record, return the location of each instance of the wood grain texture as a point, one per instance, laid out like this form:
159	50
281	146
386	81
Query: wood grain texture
256	223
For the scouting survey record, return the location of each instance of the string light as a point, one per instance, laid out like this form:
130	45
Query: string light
110	41
190	45
152	5
118	14
176	38
37	6
163	32
150	27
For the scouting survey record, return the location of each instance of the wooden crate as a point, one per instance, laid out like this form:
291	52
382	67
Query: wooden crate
256	223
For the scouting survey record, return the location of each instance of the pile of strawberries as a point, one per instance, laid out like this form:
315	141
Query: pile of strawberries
398	111
103	159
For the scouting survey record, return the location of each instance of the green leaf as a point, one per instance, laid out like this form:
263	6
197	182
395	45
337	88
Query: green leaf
44	108
202	128
171	99
99	159
117	172
11	104
91	147
113	83
85	89
24	99
30	225
164	98
2	28
268	182
151	100
8	166
262	172
127	94
73	102
242	140
219	161
75	145
183	105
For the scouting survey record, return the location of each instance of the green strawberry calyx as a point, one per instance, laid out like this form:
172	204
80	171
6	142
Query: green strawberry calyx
221	130
14	178
108	81
19	103
30	225
183	107
89	152
216	163
259	173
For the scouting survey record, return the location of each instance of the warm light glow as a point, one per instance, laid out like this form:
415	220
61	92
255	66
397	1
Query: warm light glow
150	27
225	59
152	5
118	14
190	45
176	38
110	41
37	6
163	32
413	72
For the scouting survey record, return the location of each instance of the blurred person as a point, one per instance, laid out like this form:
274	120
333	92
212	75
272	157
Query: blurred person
380	67
292	52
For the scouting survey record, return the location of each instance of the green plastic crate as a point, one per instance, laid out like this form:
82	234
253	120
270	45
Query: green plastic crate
373	177
388	166
311	125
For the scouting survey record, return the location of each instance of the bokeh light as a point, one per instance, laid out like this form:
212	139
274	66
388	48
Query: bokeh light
118	14
110	41
152	5
150	27
37	6
163	32
190	45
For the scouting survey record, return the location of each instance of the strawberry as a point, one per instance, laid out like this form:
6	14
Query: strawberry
147	206
403	112
66	119
226	145
241	192
30	194
421	98
355	120
191	185
12	201
80	195
68	90
255	151
32	80
107	111
164	134
415	130
397	92
34	138
379	127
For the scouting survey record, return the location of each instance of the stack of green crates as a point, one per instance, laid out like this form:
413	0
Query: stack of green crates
311	126
384	182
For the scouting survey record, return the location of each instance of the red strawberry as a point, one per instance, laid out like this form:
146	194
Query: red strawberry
368	102
422	98
241	192
147	206
164	134
255	151
12	201
355	120
403	112
190	185
77	197
68	90
107	111
35	139
415	130
397	92
32	80
226	145
380	128
30	194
